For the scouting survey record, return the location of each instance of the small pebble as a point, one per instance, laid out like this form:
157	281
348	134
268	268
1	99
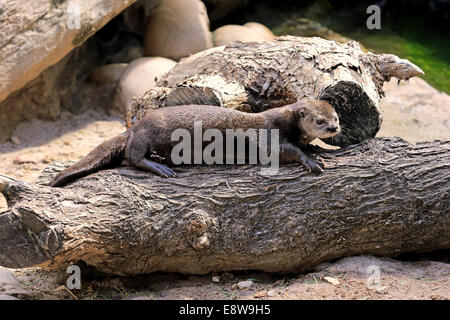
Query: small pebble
244	284
260	294
333	281
215	279
15	140
271	293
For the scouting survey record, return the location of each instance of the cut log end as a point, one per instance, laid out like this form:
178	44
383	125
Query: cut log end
359	117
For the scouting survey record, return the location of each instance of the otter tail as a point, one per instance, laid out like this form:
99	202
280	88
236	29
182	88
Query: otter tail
107	154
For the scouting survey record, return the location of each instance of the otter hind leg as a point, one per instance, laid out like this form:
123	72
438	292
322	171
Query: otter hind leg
138	148
155	167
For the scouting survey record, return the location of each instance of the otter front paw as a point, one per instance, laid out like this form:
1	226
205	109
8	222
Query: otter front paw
312	165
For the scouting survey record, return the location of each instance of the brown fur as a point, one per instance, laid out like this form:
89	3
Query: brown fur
151	136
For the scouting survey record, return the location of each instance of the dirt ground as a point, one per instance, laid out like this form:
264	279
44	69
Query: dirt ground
415	112
349	278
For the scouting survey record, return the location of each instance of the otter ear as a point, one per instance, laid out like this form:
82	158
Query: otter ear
302	114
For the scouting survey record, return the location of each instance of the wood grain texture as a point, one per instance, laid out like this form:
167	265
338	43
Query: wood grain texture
384	196
254	77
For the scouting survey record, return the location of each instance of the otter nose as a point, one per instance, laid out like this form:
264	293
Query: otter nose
333	128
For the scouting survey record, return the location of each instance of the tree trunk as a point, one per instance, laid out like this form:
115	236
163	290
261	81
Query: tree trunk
254	77
384	196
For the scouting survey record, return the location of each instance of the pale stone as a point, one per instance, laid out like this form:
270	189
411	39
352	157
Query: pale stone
231	32
261	30
140	76
244	284
177	28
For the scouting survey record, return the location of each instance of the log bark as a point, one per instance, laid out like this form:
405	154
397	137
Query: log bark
254	77
35	35
383	196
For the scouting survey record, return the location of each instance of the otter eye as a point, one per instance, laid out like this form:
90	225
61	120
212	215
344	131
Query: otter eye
320	121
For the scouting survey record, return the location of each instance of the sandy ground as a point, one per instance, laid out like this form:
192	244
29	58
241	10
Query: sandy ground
415	112
349	278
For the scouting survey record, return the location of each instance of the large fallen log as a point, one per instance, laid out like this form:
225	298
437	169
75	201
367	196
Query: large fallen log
384	196
35	35
254	77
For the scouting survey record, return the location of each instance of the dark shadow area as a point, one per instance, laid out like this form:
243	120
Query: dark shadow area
439	255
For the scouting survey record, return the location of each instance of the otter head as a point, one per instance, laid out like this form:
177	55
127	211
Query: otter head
317	119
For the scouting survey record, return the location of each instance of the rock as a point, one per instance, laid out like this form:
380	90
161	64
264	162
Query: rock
177	28
15	140
215	279
7	297
9	285
381	290
333	281
232	32
37	34
108	73
244	284
261	30
260	294
138	77
135	16
272	293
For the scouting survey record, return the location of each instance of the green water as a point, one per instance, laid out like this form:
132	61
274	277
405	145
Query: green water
412	40
411	35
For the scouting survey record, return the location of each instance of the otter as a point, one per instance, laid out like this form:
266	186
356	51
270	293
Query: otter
150	137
